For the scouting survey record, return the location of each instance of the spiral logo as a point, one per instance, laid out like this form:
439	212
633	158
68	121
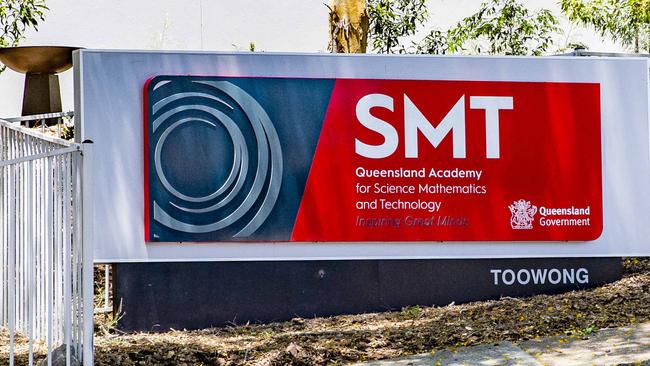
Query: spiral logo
233	201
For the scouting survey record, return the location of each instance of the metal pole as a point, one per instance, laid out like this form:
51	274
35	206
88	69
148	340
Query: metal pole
87	248
106	286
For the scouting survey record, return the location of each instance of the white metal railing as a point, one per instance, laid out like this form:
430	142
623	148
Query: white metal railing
46	278
40	117
43	122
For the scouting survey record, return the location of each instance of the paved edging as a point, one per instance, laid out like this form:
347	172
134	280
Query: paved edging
617	346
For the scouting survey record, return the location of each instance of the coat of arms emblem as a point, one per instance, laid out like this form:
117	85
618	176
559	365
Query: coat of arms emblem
523	214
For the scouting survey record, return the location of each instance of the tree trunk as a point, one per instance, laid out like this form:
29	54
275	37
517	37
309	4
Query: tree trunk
348	26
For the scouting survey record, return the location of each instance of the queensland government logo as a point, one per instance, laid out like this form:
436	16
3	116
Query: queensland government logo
522	214
243	188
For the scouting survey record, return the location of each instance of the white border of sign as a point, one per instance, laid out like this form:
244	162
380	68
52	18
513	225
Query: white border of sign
108	104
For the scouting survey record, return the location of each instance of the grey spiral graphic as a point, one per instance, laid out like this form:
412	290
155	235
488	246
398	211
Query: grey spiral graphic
269	160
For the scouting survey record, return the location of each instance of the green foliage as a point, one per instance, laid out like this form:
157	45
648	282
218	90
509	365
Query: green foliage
392	20
16	17
626	21
503	27
437	42
411	312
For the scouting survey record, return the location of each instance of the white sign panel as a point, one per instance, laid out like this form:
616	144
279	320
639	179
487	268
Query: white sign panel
518	156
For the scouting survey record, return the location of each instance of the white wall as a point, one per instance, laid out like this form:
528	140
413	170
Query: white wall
286	25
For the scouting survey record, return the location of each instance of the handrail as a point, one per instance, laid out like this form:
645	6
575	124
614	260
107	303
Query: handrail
61	151
28	131
36	117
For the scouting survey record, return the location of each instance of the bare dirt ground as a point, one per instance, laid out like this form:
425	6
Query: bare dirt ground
342	339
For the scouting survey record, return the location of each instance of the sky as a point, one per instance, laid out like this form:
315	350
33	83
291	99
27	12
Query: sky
216	25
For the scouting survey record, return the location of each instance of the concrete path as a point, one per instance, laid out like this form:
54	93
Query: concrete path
618	346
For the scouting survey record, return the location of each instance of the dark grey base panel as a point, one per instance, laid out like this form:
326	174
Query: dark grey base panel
159	296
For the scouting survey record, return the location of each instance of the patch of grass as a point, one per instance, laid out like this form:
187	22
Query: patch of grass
411	312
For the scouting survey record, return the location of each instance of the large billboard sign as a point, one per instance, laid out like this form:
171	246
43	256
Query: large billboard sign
208	156
317	160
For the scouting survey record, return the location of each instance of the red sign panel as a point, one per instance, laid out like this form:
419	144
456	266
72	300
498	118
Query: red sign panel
455	161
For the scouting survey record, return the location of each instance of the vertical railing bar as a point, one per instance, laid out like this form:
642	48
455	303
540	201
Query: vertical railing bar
67	257
10	144
60	209
56	247
3	240
60	247
31	311
19	227
33	171
31	258
41	252
25	244
21	240
39	244
43	241
2	232
12	265
77	249
50	258
3	235
17	297
57	250
10	213
14	236
37	230
19	262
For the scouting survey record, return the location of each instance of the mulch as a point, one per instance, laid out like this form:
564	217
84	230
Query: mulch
343	339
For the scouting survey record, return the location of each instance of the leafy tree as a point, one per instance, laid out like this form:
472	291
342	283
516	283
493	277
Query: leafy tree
504	27
392	20
499	27
16	17
626	21
437	42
